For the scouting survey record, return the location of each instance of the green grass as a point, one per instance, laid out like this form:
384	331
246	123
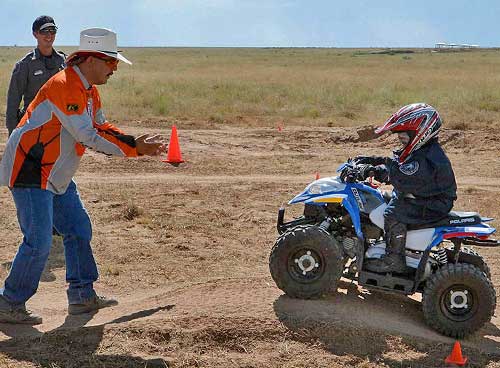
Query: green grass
343	86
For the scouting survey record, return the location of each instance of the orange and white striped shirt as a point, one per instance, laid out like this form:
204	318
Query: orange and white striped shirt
45	149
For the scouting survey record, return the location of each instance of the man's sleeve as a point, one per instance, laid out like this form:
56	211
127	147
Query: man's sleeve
17	86
111	133
70	107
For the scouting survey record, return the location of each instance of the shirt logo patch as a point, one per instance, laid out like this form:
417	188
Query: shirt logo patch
410	168
72	107
38	72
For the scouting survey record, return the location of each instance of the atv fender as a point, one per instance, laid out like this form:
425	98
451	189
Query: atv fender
469	256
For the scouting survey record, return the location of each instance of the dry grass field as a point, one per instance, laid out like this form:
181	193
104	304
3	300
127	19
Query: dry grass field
320	86
185	249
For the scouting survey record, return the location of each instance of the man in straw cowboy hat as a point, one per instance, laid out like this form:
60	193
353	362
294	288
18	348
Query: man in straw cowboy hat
40	159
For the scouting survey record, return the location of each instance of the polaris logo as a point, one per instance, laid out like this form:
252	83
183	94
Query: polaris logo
358	198
461	221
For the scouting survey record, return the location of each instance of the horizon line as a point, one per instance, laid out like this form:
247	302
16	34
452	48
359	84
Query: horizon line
280	47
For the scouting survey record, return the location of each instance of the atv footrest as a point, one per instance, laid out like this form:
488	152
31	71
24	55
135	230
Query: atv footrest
385	282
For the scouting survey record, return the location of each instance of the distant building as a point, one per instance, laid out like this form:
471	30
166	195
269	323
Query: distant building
443	45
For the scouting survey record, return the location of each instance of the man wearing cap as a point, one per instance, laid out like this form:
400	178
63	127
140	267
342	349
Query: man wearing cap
41	157
33	70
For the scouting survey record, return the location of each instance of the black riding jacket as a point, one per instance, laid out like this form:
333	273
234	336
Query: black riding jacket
424	185
427	173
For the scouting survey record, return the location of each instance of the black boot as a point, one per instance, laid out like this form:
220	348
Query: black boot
394	260
388	263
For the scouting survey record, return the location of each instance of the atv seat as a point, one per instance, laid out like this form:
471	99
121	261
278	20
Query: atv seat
454	218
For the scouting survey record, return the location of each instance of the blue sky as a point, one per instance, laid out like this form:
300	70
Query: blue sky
262	23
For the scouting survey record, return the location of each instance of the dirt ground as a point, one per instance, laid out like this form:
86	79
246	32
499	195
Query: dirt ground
185	251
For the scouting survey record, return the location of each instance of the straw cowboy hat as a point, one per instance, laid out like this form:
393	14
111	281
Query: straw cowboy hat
98	40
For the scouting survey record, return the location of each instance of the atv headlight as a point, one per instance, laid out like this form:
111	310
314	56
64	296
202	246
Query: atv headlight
326	185
315	189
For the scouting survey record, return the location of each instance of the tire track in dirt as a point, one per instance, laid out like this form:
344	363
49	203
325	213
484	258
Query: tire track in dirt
256	297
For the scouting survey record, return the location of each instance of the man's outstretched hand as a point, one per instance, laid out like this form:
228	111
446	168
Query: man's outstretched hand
150	145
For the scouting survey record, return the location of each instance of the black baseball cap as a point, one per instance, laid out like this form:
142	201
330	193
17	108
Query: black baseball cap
42	22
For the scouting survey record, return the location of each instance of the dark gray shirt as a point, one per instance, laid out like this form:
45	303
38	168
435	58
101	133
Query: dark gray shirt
29	74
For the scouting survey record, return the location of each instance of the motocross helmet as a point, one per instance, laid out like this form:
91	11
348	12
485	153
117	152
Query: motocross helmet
420	120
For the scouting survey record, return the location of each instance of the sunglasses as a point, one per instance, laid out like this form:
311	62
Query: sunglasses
47	31
112	62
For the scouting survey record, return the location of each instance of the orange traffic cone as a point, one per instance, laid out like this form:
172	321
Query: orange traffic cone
174	156
317	175
456	356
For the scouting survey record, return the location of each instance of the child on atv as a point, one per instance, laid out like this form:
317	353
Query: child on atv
422	177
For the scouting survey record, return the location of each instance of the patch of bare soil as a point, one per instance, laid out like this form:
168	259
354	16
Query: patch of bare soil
185	250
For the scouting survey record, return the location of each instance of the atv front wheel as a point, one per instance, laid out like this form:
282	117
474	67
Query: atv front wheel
458	300
306	262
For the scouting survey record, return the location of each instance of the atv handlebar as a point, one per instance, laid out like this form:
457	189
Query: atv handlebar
349	172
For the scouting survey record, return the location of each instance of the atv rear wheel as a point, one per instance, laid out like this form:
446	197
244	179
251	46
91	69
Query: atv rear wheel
306	262
458	300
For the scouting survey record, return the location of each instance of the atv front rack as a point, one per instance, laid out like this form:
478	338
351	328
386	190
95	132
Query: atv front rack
283	226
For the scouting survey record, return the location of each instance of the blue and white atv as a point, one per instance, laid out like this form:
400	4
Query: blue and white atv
343	224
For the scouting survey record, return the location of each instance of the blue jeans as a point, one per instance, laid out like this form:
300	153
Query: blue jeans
39	210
